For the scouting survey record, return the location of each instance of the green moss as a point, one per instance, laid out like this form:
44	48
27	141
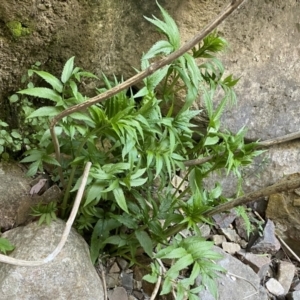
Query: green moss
17	29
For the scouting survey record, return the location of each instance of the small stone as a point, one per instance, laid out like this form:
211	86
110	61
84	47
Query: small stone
258	263
268	243
119	293
139	295
243	244
296	285
127	281
297	191
274	287
286	272
137	285
293	296
223	220
296	202
231	248
218	239
112	280
205	230
114	268
240	226
122	263
230	234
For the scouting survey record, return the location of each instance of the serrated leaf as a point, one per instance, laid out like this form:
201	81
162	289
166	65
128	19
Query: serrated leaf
180	264
161	47
52	80
45	111
145	241
175	253
5	245
44	93
50	160
67	70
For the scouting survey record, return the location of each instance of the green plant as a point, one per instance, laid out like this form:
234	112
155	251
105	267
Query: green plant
135	150
5	245
45	212
24	133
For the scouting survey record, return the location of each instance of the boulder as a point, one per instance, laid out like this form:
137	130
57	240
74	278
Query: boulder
70	275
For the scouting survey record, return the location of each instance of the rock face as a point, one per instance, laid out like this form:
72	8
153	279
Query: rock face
70	275
109	36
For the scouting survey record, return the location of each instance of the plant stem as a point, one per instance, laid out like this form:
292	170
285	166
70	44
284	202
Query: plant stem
229	9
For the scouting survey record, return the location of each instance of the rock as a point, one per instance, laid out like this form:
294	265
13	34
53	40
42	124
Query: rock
258	263
15	200
230	234
268	243
287	218
112	280
127	281
241	229
274	287
293	296
235	288
14	190
114	268
296	285
218	239
119	293
231	248
223	220
122	263
205	230
70	275
286	272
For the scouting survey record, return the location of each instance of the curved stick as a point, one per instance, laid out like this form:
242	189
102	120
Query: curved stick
64	237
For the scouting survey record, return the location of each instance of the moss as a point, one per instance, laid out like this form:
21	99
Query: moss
17	29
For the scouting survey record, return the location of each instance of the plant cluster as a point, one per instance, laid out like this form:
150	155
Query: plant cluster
130	204
25	133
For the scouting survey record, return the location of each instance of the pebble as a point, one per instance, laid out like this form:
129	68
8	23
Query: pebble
286	272
274	287
231	248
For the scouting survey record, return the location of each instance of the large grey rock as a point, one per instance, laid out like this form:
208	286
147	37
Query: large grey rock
70	275
239	287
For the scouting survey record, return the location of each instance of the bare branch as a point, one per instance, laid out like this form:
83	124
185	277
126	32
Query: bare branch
275	188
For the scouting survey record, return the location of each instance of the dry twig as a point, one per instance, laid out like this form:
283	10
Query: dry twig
275	188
